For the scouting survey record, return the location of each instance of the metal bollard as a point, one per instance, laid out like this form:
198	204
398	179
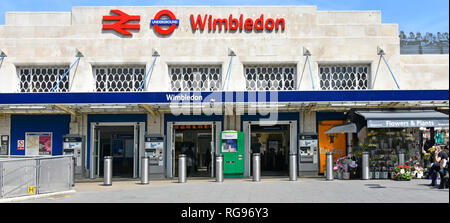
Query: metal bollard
365	166
401	158
144	170
293	167
256	167
329	166
182	172
219	168
107	171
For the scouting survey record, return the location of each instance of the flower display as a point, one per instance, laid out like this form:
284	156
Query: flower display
402	172
340	167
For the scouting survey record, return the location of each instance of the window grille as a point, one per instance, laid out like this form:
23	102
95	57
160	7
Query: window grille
43	79
344	77
195	78
270	77
119	78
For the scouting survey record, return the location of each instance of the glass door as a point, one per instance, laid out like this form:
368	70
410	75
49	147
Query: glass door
170	151
94	150
135	150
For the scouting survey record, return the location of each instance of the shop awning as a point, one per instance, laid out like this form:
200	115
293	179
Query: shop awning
404	119
345	128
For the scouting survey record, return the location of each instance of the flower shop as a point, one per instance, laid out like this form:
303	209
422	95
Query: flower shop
394	140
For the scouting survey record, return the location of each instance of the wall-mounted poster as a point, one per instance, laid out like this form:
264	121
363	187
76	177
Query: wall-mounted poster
38	143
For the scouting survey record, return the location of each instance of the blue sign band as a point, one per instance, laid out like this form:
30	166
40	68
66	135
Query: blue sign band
218	97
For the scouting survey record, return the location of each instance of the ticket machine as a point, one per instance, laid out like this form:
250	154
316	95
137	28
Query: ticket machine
4	145
154	150
308	153
232	149
73	145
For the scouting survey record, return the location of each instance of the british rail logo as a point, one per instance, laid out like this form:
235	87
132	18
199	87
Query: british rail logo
122	19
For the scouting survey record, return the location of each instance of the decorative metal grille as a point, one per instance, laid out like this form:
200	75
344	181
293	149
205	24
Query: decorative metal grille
43	79
196	78
270	77
344	77
119	78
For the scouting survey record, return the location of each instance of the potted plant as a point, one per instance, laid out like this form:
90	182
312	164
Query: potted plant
377	172
384	173
340	168
391	170
353	167
402	173
417	172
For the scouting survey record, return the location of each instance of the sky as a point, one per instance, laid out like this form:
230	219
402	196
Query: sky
410	15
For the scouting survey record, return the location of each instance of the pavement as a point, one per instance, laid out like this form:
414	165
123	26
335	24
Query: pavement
268	190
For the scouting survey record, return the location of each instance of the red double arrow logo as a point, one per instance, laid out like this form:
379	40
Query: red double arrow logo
121	19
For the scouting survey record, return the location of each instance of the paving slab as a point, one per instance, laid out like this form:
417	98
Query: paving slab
269	190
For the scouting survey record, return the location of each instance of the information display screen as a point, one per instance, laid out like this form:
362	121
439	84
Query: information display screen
229	146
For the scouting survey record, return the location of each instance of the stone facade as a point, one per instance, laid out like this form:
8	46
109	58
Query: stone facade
338	37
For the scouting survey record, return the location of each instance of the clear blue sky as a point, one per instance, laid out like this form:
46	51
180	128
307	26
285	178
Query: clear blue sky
411	15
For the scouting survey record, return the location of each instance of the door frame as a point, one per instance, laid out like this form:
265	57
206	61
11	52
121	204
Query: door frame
247	139
138	132
216	128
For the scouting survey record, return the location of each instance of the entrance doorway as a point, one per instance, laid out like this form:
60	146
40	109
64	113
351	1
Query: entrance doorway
277	140
197	140
273	142
119	140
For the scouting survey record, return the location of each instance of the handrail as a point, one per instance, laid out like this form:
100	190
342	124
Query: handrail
146	75
65	74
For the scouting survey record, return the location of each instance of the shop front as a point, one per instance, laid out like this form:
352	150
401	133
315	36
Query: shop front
389	133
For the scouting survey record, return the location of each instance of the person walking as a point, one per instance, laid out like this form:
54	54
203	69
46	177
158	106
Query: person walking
189	160
443	168
439	156
208	160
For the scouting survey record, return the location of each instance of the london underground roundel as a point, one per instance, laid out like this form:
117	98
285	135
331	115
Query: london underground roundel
157	21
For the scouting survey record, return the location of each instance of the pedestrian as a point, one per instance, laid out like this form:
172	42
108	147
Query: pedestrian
208	160
439	156
189	160
443	171
428	144
439	139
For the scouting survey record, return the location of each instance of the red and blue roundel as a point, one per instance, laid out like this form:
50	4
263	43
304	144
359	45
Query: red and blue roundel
156	22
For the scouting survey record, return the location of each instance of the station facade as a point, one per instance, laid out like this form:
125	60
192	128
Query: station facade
114	75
